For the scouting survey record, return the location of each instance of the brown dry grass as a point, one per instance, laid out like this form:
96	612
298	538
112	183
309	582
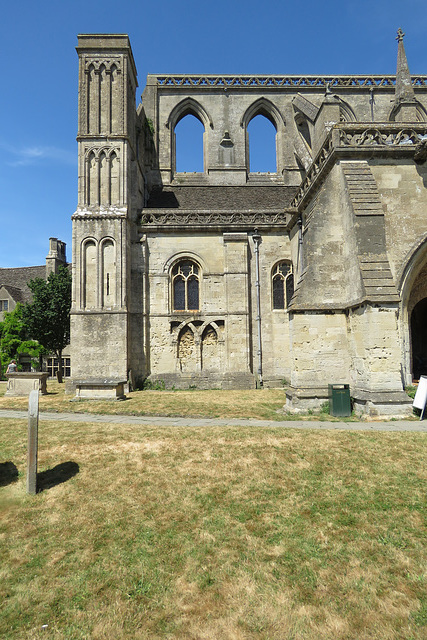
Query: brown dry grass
215	534
251	403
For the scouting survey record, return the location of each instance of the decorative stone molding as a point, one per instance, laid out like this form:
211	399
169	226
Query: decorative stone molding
312	82
316	167
100	213
374	136
108	62
183	218
360	136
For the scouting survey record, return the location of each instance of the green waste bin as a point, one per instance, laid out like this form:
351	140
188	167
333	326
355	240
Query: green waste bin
339	400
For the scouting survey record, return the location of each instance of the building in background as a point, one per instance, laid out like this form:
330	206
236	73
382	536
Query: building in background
229	278
14	288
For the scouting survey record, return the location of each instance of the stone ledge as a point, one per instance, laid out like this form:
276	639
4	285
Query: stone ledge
372	403
206	380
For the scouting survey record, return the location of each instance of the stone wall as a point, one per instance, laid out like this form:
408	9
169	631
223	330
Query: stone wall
221	336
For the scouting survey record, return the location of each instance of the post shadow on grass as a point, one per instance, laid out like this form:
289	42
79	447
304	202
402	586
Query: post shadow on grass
57	475
8	473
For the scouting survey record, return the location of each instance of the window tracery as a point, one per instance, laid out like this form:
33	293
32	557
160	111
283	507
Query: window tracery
282	284
185	286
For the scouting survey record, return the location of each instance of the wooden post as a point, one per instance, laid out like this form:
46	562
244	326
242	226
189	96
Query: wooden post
33	427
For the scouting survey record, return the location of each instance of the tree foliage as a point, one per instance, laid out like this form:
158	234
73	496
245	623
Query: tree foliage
13	339
12	334
47	317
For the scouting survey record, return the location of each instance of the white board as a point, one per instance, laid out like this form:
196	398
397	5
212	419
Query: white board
421	395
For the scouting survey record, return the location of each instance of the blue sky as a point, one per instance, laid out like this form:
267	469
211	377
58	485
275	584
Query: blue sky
38	109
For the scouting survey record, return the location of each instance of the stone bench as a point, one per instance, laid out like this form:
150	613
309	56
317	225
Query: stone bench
99	389
22	383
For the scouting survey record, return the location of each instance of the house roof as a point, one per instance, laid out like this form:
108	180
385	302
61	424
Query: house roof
16	281
15	293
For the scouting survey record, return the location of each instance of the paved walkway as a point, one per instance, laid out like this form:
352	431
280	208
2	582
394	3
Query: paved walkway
392	425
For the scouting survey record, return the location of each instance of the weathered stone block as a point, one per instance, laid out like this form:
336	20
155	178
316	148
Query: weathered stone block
21	384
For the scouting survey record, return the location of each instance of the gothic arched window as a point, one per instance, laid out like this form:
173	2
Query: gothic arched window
282	284
185	286
262	144
189	144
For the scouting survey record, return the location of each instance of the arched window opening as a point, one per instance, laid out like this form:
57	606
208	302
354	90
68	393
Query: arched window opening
185	286
262	145
282	284
189	145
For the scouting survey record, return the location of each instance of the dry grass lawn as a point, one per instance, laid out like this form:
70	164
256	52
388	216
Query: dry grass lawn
264	404
213	534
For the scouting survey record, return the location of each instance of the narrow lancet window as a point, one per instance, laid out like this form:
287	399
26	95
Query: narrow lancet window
282	284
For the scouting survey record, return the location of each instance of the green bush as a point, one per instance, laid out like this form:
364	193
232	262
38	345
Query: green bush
153	385
411	391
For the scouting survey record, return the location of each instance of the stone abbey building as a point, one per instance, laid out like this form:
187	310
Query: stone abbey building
314	274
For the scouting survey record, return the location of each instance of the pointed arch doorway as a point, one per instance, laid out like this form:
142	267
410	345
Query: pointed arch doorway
417	320
419	339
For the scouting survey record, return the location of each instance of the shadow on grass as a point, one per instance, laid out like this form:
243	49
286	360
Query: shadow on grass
8	473
59	474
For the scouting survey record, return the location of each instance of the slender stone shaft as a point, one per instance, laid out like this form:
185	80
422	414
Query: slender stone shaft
33	426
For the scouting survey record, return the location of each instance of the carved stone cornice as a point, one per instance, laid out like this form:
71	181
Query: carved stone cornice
387	135
209	218
99	213
281	82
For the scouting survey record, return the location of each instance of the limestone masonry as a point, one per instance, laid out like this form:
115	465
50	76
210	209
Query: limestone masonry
314	274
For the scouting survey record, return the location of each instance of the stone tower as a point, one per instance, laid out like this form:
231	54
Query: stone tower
102	223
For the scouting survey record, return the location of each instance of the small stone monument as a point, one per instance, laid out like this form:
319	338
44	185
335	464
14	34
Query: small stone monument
33	428
22	383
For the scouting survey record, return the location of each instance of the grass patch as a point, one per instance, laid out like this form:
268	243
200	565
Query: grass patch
218	533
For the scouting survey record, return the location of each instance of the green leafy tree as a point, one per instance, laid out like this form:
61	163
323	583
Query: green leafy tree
47	317
33	349
12	333
13	340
